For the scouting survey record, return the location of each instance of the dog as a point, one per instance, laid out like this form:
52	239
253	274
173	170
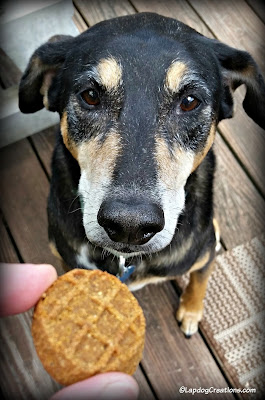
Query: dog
139	99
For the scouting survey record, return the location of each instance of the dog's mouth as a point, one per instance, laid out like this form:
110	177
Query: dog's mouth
125	251
130	250
99	238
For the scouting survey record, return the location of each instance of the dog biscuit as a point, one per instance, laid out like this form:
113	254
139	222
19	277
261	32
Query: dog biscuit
86	323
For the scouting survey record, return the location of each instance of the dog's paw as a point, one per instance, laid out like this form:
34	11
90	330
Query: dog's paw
188	317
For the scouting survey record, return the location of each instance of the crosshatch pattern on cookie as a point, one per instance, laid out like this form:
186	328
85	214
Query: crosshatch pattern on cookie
103	331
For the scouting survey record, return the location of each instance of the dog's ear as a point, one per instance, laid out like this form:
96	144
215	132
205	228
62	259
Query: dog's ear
40	83
238	67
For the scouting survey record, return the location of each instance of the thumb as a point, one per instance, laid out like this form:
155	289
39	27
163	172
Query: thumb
107	386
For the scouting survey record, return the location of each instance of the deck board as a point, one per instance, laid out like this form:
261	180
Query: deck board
79	21
179	9
94	11
44	143
258	7
22	374
24	200
236	25
7	250
239	208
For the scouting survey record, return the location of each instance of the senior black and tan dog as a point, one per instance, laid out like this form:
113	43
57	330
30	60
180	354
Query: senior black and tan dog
139	99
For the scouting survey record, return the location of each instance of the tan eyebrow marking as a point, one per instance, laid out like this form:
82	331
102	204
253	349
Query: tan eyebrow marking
110	73
174	75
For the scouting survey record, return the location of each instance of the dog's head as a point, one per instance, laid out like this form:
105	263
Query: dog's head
139	99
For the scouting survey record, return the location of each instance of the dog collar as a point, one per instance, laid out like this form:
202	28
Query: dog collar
124	272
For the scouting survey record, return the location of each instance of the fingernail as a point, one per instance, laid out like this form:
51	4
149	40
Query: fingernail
118	390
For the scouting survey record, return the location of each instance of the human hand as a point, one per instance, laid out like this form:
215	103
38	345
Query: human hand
21	287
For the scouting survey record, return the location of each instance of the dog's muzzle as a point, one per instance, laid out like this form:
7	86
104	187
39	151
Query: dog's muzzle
130	222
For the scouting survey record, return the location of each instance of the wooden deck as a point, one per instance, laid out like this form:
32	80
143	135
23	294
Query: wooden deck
170	361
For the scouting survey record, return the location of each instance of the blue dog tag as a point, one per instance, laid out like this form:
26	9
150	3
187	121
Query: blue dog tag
124	272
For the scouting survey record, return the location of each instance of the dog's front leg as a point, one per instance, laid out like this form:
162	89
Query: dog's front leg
190	310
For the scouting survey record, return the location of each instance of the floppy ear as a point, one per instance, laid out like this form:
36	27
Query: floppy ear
238	67
39	85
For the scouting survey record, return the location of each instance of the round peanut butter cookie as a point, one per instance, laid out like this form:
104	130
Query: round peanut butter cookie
86	323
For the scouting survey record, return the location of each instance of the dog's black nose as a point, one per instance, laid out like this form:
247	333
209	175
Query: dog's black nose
131	222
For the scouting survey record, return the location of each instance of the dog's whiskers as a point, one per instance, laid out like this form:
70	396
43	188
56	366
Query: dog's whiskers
77	209
72	202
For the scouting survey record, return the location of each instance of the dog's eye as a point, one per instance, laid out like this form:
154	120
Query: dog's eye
91	97
189	103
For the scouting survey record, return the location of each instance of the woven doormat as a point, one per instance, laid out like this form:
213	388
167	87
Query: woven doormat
234	316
